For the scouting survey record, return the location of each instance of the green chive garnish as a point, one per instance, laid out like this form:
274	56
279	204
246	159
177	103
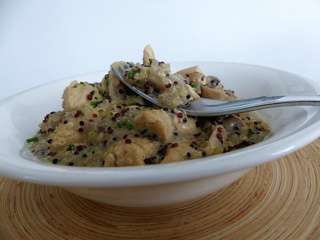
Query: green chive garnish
119	124
131	74
94	104
32	140
104	94
130	125
125	123
70	147
195	85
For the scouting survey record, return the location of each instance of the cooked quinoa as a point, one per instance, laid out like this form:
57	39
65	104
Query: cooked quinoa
105	125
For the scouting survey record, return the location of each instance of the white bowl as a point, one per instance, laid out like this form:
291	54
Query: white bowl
164	184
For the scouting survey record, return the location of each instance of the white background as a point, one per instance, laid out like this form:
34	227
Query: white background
45	40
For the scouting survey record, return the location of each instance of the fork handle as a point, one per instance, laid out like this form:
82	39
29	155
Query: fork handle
252	104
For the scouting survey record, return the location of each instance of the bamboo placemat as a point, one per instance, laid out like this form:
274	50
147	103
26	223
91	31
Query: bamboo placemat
279	200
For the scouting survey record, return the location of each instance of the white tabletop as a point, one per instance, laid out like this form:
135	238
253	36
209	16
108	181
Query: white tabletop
46	40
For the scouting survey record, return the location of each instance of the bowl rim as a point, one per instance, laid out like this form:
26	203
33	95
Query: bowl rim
163	173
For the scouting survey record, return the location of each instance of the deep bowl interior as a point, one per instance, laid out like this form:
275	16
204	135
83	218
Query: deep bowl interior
21	114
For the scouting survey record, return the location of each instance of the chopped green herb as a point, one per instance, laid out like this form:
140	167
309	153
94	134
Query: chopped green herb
195	85
104	94
125	124
82	83
70	147
32	140
119	124
131	74
130	125
92	84
95	103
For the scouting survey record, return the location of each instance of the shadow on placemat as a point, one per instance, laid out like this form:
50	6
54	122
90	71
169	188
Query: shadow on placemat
274	201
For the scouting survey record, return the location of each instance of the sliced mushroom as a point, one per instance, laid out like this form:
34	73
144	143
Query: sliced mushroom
233	123
213	82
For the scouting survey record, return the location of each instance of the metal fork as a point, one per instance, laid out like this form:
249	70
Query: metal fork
205	107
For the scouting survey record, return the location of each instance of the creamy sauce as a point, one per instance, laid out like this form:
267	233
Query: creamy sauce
105	125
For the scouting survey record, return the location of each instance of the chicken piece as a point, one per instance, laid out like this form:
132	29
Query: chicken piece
138	76
194	95
156	121
216	93
185	126
76	95
177	94
159	76
177	78
157	71
190	70
180	151
197	80
216	141
130	152
51	121
64	135
195	76
148	54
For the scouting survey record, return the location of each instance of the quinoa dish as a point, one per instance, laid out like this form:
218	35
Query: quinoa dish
104	124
